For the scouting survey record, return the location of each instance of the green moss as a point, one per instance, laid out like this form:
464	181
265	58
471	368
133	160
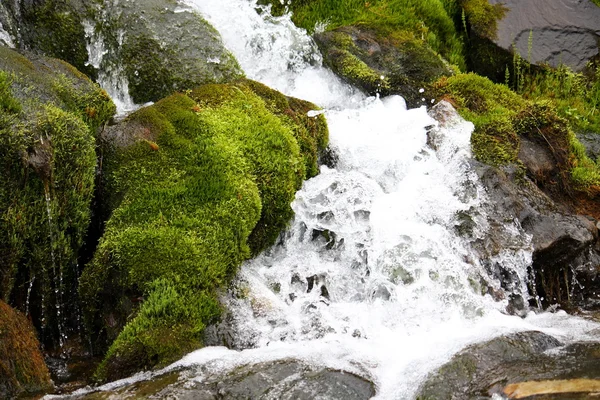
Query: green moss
501	117
491	108
425	21
168	325
483	17
203	181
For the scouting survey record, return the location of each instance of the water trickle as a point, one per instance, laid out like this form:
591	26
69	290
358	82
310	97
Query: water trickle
5	37
29	288
57	272
111	76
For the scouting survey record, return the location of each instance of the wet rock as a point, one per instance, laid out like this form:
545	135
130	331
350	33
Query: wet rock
562	31
161	47
22	367
484	369
563	244
377	64
591	142
285	380
49	27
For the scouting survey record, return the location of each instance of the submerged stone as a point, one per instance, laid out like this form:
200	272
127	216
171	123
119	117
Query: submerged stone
510	364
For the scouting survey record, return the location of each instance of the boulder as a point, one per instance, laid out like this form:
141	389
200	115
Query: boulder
49	117
380	64
551	31
159	47
504	365
192	186
22	367
284	379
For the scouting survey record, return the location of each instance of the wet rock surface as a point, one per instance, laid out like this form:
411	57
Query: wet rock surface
286	379
565	257
161	47
485	369
562	31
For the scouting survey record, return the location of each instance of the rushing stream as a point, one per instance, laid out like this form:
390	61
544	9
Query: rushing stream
372	276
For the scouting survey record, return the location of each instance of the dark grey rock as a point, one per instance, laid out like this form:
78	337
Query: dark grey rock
161	48
279	380
563	31
484	369
591	142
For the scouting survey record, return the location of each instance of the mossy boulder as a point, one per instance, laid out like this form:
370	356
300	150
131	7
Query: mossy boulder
49	117
22	367
160	48
194	185
381	64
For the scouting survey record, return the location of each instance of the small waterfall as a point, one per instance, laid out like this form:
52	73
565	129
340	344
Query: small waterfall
374	275
111	76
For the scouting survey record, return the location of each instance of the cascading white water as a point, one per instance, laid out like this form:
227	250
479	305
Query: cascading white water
372	276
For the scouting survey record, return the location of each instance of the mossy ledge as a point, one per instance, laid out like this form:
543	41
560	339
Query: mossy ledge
503	119
195	184
49	116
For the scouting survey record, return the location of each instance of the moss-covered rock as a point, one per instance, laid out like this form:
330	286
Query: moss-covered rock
160	48
194	185
378	63
49	115
22	367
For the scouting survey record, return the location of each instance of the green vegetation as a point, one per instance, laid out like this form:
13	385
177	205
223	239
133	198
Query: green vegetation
576	96
491	107
198	182
418	21
169	325
48	159
501	117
